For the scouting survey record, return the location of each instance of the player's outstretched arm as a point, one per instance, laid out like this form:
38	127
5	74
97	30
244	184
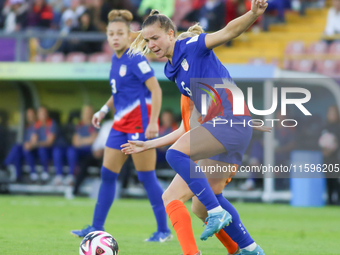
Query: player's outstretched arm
100	115
237	26
156	98
138	146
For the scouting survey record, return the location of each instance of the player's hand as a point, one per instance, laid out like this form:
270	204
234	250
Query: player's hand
151	131
257	126
133	147
97	118
258	6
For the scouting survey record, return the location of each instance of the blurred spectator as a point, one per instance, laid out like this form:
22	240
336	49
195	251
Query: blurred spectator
182	9
284	143
84	25
234	9
211	15
333	19
275	12
329	143
41	15
81	143
15	16
164	7
96	157
168	124
71	16
25	150
50	144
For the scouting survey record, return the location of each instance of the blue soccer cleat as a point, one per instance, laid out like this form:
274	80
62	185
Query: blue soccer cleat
84	231
215	221
258	251
160	237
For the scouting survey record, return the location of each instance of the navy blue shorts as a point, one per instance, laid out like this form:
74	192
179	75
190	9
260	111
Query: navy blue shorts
235	138
117	138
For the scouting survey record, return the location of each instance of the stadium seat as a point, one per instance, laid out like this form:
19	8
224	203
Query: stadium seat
304	65
56	57
257	61
100	57
334	49
76	57
318	48
327	67
295	47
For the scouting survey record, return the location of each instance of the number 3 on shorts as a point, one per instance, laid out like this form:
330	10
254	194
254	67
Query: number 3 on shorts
113	86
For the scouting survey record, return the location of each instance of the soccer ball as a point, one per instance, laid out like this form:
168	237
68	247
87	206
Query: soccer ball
97	243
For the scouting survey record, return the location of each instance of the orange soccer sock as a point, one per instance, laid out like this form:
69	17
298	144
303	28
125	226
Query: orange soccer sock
227	241
181	222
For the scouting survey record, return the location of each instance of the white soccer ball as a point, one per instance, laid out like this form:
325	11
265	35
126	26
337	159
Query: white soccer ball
97	243
328	141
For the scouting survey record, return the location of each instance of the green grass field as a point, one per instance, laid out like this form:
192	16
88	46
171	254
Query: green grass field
41	225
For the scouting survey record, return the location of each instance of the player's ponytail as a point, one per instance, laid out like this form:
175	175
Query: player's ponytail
139	45
124	16
192	31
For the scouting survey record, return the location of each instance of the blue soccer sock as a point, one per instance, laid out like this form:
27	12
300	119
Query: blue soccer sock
29	158
57	154
181	163
155	191
235	230
105	197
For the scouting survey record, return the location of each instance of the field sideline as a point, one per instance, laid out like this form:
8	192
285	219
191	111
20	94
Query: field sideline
41	225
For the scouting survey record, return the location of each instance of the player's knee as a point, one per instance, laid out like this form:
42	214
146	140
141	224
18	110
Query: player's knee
217	185
107	175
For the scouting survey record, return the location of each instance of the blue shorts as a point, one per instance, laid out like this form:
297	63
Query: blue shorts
117	138
235	138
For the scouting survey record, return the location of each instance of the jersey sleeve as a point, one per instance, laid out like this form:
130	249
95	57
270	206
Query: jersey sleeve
142	69
197	45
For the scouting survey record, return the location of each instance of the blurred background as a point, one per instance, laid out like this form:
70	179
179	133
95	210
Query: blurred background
55	64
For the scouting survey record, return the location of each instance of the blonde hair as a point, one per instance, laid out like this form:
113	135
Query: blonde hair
192	31
139	45
124	16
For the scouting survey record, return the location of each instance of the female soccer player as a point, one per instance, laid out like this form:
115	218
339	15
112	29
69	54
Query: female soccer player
136	97
193	58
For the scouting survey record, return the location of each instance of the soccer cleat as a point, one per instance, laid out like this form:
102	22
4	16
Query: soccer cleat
33	177
57	180
238	252
160	237
69	180
258	251
215	221
84	231
44	176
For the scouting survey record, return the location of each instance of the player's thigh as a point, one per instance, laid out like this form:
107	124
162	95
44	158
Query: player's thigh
114	159
145	161
177	190
198	143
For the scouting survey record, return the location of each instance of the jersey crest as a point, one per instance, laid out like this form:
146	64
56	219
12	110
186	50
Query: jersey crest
185	65
122	70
